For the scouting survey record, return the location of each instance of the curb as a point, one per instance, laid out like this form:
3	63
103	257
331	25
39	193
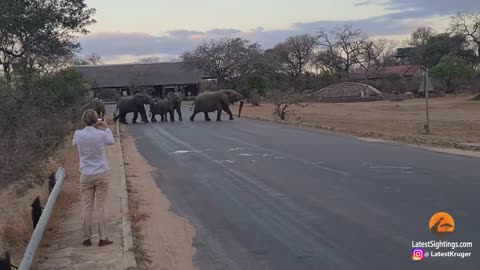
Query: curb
370	135
128	252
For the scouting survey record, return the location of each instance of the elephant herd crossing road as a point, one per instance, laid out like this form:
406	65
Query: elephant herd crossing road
205	102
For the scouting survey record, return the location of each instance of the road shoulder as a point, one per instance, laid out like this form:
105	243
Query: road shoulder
62	246
162	240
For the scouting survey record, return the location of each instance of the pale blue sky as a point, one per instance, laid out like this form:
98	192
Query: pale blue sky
155	17
130	29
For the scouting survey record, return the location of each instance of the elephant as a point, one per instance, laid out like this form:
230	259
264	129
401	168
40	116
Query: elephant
215	101
174	103
135	104
96	105
160	107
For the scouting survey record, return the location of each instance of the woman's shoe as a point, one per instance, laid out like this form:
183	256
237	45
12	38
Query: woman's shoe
105	242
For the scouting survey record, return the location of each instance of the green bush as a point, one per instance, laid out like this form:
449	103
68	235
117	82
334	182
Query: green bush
33	125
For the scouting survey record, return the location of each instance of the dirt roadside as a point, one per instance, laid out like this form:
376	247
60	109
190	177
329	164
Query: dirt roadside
162	240
454	120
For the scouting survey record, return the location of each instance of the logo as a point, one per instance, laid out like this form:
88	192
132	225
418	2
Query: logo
418	254
441	224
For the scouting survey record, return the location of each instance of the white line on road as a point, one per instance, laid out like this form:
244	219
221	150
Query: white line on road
391	167
239	175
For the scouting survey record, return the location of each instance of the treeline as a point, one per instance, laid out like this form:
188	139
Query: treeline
39	98
312	61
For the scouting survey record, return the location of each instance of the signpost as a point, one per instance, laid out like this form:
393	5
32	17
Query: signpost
425	87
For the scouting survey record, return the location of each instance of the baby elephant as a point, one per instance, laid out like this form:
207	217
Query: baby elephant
159	107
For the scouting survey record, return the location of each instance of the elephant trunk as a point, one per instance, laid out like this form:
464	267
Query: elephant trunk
240	109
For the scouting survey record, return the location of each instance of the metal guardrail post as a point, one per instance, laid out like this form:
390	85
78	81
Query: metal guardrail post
39	231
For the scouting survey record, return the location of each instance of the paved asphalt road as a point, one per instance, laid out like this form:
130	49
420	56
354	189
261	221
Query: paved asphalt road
267	196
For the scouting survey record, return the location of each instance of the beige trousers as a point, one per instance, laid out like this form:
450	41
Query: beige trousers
94	190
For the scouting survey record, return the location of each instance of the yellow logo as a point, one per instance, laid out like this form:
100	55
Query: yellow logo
442	224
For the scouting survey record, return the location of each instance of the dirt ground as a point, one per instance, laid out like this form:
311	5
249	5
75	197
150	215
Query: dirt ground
163	240
453	120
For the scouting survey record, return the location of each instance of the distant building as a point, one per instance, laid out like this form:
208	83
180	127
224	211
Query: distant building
158	78
390	78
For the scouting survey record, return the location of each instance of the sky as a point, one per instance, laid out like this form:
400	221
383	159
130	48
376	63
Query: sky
127	30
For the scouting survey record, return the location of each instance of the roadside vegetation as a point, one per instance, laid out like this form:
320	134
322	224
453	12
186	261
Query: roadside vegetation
40	99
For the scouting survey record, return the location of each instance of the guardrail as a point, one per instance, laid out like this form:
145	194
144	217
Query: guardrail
42	224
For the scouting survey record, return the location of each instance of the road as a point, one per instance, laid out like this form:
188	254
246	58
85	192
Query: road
267	196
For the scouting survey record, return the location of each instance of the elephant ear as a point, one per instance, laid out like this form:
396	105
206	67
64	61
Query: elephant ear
139	99
232	96
225	97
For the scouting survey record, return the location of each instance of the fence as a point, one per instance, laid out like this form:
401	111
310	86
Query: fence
40	219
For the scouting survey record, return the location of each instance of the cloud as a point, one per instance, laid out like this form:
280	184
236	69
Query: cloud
404	17
224	32
364	3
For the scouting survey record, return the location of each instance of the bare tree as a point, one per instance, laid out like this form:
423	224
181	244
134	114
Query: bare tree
92	59
296	53
468	25
224	59
283	100
282	96
150	59
373	55
340	48
421	36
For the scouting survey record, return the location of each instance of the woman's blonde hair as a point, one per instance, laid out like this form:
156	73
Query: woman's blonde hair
90	117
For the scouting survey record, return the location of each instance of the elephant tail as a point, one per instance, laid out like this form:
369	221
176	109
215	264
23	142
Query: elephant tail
115	115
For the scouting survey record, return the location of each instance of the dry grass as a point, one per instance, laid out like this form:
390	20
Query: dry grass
16	224
454	120
138	217
67	197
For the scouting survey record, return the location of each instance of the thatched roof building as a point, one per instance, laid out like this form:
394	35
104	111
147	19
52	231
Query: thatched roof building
162	77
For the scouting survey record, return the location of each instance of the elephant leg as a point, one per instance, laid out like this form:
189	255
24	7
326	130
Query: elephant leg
207	118
172	115
162	117
192	118
227	110
179	112
219	115
123	119
153	118
143	115
135	116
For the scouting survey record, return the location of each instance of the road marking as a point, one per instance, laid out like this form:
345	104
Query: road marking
246	155
226	161
182	152
188	151
231	171
301	160
391	167
235	149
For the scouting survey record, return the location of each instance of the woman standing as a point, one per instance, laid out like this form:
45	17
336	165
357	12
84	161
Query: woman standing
94	173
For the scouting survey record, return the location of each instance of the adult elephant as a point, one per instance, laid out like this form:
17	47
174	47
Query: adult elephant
174	103
135	104
96	105
215	101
